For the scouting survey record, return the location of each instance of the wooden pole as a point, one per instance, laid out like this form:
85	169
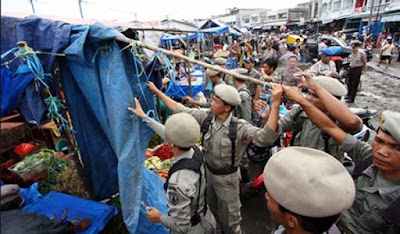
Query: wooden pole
188	65
122	38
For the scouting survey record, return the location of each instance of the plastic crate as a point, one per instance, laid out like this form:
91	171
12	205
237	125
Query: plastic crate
29	173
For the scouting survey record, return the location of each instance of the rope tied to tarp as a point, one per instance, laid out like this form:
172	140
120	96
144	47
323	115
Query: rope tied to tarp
28	55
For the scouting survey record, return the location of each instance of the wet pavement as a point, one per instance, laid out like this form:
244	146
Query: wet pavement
255	216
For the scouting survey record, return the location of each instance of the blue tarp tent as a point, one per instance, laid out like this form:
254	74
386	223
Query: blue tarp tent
172	38
216	30
100	82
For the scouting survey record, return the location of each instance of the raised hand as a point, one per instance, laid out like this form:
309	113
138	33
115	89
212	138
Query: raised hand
138	111
152	87
293	93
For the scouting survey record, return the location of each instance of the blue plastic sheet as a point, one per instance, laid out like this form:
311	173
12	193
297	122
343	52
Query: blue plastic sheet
332	50
153	195
13	84
56	203
100	82
31	196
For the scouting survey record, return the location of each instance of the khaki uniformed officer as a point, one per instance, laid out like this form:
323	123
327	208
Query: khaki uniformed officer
307	189
243	111
311	136
222	63
216	79
222	177
378	180
183	189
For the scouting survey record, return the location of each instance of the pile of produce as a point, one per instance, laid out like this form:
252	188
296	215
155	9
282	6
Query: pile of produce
154	163
159	160
163	152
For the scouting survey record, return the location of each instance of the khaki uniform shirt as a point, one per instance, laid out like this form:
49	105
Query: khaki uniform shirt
322	69
374	193
182	193
243	111
250	85
216	142
288	76
357	59
310	135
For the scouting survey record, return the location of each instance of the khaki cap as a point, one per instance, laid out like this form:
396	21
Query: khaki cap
242	71
220	61
309	182
332	85
390	122
228	94
182	129
211	72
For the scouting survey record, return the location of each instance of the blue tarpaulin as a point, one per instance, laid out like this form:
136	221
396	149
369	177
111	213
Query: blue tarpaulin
100	83
56	203
216	30
173	38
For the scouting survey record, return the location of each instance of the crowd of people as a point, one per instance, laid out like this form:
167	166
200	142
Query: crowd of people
308	190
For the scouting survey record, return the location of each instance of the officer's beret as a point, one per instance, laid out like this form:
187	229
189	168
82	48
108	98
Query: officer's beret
182	129
309	182
332	85
211	72
228	94
390	123
220	61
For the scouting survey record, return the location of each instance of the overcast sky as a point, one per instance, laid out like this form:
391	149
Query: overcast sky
145	10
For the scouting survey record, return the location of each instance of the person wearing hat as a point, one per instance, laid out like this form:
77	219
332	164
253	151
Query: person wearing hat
252	72
215	78
185	190
358	63
323	44
243	111
325	66
222	63
307	190
304	131
387	51
376	208
222	154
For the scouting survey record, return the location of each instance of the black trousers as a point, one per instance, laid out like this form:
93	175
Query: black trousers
353	82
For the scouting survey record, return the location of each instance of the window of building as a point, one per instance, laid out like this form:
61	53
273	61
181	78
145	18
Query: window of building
272	17
347	4
336	6
324	8
246	19
263	16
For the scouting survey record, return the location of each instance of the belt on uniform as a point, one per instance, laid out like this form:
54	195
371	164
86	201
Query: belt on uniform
224	171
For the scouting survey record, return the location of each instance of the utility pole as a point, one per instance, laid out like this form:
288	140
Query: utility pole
80	7
379	7
370	16
33	8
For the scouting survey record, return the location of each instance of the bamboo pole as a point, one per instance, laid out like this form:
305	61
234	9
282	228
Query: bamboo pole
203	64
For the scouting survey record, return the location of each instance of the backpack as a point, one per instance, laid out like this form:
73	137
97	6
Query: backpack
232	136
193	164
